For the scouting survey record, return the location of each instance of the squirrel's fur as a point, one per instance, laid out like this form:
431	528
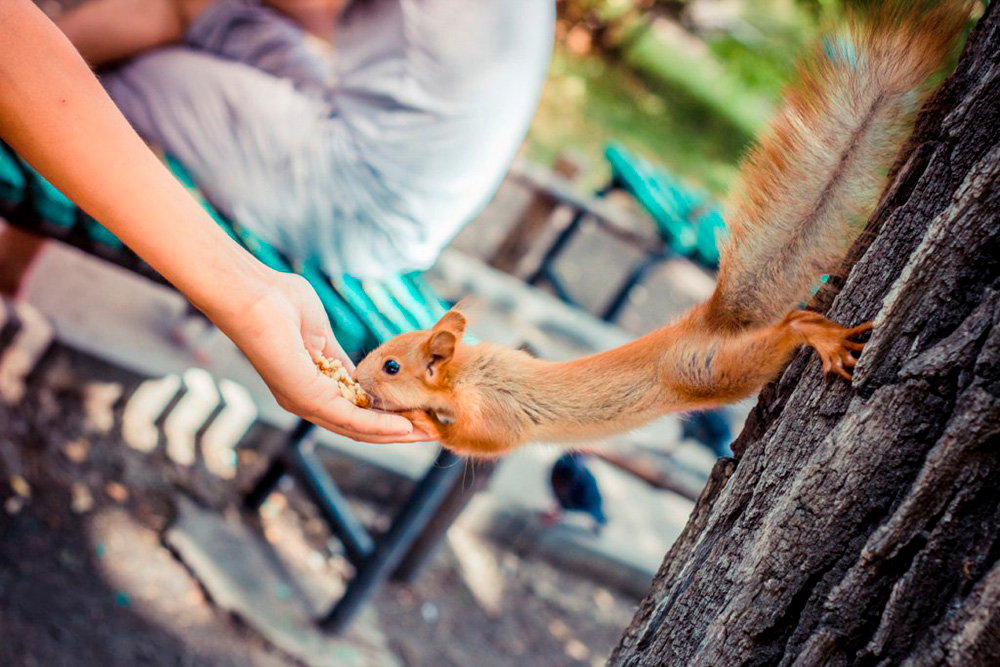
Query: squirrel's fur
802	196
805	191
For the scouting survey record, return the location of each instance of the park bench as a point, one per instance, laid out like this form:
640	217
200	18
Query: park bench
687	223
362	314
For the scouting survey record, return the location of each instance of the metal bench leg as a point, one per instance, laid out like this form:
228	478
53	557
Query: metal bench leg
393	545
330	501
277	468
297	459
265	485
619	300
426	544
557	286
565	236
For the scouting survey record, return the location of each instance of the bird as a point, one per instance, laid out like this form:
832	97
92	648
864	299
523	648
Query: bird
575	489
710	428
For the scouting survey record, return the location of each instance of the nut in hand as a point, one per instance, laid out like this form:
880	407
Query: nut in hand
349	389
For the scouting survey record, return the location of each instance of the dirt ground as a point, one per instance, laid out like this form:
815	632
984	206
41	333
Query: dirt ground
547	618
85	578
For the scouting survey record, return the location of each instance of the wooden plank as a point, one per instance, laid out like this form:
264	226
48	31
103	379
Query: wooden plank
629	226
523	236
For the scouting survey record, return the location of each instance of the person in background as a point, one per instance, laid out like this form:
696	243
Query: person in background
363	158
55	114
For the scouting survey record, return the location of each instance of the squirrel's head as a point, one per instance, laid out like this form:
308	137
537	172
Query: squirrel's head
414	370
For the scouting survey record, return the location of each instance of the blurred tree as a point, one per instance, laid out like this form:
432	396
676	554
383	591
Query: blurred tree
860	523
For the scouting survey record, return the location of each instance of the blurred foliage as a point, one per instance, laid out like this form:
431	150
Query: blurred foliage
688	83
589	101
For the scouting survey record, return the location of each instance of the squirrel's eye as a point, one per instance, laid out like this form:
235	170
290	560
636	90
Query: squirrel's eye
391	367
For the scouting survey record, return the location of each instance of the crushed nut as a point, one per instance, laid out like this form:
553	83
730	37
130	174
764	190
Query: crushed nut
349	389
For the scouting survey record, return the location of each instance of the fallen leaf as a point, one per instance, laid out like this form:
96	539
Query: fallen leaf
13	505
577	650
558	629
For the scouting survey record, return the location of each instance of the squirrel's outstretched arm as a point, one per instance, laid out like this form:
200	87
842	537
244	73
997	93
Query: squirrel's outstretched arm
702	369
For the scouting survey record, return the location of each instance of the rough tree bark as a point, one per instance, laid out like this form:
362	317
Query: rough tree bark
860	522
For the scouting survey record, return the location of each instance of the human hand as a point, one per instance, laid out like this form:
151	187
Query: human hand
282	332
55	114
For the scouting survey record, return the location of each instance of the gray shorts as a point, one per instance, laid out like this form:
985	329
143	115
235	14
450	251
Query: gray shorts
365	163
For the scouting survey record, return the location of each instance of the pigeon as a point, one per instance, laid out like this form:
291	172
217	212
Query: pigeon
710	428
575	489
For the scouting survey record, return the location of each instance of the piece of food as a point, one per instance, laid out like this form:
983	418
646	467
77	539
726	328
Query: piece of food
349	389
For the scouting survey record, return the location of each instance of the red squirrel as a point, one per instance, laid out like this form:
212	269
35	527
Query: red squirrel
803	193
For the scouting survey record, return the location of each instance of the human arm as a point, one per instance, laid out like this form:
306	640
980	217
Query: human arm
54	112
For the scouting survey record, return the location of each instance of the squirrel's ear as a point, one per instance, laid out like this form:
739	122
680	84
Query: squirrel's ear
453	321
439	349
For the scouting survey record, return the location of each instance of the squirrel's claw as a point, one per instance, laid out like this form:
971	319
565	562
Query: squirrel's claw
836	364
842	361
831	342
841	371
860	329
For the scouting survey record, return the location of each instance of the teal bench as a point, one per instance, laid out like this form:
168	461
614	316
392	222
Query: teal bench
687	220
362	314
688	224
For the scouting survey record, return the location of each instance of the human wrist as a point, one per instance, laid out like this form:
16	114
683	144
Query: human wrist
232	286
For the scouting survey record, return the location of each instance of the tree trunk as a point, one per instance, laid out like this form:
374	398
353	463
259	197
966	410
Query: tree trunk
860	522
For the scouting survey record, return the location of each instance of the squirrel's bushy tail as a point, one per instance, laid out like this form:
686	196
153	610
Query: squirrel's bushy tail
806	189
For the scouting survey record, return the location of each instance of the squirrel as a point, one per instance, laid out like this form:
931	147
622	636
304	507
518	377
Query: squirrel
803	193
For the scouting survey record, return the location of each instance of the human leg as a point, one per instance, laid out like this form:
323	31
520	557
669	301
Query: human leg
18	249
106	31
317	17
271	39
242	134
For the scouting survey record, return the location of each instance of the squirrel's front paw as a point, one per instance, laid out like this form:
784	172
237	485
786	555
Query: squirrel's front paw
830	340
423	421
